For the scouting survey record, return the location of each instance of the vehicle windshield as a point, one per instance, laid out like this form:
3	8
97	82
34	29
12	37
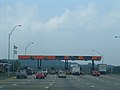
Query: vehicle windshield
44	69
59	44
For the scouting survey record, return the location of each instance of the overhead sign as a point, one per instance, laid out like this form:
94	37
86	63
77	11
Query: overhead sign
41	57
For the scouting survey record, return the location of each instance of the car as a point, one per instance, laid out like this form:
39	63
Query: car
21	74
40	75
44	71
95	73
29	71
33	72
61	74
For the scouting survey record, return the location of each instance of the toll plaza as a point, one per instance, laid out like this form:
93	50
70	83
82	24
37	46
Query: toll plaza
39	59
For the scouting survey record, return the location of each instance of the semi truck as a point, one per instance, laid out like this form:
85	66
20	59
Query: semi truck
75	69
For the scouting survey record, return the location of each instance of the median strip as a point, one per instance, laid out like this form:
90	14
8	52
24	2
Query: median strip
1	81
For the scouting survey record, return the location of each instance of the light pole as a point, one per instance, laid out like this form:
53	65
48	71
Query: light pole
9	43
28	46
117	36
99	54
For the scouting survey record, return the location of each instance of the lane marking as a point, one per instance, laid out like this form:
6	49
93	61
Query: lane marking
102	89
22	82
82	82
92	86
108	82
7	79
1	87
14	84
50	84
46	87
116	84
28	80
86	83
74	77
97	78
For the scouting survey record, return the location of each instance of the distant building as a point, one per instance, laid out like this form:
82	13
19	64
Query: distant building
3	65
116	69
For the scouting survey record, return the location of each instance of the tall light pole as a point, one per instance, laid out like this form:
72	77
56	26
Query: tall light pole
28	46
117	36
9	35
99	54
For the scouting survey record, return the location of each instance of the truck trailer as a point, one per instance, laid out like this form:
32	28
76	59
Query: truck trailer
75	69
102	68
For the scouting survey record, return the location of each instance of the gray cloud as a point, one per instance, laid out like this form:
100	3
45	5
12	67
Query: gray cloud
71	33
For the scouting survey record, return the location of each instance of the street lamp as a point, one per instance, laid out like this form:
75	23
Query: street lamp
99	54
9	35
28	46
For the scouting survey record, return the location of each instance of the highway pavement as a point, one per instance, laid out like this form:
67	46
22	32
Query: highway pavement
52	82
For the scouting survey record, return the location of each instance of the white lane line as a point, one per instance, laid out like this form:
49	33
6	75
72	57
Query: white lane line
82	82
97	78
1	87
22	82
46	87
116	84
28	80
74	77
14	84
53	82
92	86
108	82
50	84
86	83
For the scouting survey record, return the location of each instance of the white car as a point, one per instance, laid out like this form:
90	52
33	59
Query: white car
61	74
44	71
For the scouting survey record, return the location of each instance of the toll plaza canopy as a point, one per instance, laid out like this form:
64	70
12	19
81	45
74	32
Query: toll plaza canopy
45	57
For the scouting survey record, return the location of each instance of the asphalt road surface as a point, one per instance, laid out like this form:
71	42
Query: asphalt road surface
52	82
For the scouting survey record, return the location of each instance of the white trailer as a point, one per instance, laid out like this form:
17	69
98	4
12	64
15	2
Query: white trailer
75	70
102	68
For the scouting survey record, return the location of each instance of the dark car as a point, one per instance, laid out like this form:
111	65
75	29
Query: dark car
40	75
95	73
21	74
29	71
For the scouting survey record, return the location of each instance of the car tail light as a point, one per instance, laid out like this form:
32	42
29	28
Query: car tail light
42	75
36	75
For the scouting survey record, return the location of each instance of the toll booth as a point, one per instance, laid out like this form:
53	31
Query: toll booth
39	59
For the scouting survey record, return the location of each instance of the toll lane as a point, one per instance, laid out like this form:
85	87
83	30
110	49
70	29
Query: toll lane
99	82
52	82
30	83
70	83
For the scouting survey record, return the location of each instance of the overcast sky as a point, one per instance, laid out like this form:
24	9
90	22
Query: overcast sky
62	27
